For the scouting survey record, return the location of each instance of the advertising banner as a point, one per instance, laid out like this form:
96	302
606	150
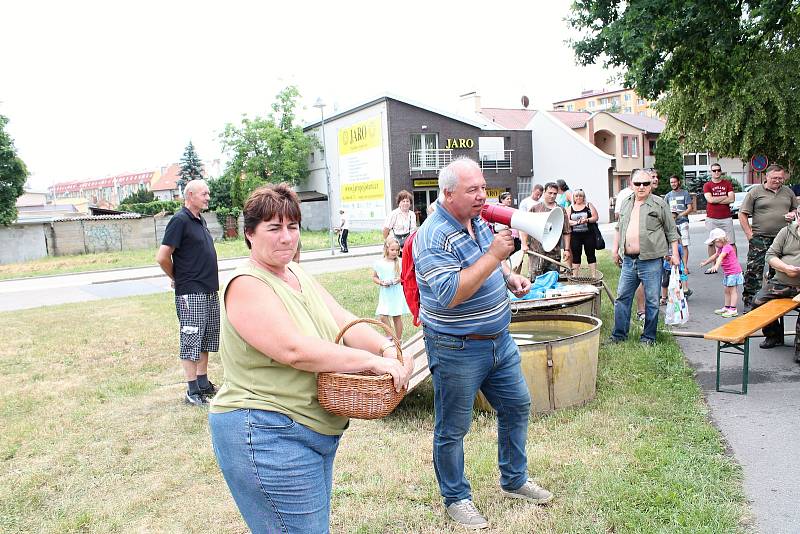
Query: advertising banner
361	170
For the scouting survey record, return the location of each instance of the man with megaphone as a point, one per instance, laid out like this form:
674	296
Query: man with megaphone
465	314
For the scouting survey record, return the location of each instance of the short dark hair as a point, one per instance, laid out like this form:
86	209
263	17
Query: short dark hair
676	177
774	167
562	185
503	195
549	185
540	187
268	201
717	164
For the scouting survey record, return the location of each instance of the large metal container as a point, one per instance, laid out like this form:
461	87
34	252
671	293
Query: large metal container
523	310
563	371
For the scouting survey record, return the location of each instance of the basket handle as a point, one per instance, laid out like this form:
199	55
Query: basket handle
374	322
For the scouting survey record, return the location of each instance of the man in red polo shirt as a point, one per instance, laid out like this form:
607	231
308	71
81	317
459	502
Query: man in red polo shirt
719	196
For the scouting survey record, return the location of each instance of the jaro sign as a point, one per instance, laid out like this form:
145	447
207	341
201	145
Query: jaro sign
460	143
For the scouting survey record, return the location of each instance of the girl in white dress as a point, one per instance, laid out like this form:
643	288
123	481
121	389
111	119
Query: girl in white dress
391	300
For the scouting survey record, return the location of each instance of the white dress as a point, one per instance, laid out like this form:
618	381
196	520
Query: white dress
391	300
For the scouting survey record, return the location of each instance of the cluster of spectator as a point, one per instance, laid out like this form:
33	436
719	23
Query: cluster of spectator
275	444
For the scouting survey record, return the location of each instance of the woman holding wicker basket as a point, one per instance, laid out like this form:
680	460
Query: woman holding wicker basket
274	442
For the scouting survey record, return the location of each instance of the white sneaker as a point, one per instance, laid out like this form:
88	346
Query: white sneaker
721	310
465	514
730	312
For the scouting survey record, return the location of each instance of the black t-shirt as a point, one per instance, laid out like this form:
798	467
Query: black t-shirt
194	259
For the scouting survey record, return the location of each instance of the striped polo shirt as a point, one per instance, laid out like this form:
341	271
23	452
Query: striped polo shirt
442	248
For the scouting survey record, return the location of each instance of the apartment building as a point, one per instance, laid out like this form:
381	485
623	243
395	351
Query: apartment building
616	101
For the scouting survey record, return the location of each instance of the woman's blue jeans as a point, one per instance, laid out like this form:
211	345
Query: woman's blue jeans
634	272
460	367
279	472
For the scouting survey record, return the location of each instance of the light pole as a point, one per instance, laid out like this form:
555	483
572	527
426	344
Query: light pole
320	104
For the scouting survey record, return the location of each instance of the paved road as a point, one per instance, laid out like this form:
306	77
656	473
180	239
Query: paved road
46	291
761	428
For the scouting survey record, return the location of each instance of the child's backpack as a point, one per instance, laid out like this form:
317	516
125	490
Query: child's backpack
408	277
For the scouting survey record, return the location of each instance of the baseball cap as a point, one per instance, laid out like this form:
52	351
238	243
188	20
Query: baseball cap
715	234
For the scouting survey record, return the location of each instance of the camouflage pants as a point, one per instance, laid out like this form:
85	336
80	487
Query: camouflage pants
771	291
754	274
539	266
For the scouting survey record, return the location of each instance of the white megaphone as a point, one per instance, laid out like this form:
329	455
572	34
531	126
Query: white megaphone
544	227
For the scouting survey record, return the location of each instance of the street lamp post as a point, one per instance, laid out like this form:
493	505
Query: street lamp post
320	104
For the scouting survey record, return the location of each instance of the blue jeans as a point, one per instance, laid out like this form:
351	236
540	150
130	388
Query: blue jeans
460	367
634	272
279	472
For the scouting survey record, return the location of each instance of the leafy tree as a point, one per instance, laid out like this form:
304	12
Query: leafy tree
726	71
12	176
140	196
669	160
270	149
220	190
191	166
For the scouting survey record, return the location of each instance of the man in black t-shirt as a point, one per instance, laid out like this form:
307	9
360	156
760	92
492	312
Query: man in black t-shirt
188	257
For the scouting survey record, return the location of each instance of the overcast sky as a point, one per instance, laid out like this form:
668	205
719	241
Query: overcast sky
99	88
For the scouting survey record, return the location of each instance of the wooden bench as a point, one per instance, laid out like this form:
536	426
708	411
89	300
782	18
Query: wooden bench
735	335
414	347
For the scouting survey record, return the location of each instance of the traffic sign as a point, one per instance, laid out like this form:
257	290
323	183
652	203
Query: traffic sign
759	162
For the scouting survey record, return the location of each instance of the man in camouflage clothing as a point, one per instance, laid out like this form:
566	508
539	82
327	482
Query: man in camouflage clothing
784	257
771	206
536	264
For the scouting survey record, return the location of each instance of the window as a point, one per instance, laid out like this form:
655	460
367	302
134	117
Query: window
591	103
524	188
628	109
630	146
627	97
652	144
424	151
570	107
690	159
640	102
702	159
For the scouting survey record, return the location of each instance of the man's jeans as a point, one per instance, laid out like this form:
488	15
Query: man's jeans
460	367
634	272
279	471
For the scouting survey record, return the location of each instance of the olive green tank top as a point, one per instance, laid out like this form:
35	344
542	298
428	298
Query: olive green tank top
254	380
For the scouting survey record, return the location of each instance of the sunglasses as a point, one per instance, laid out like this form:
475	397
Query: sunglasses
716	170
642	184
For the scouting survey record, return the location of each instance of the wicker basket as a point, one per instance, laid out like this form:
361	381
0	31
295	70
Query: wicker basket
360	395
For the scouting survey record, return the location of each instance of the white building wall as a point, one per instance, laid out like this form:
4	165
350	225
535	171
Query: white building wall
558	152
316	180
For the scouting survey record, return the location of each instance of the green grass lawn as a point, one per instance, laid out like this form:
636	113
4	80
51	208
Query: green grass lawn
228	248
95	438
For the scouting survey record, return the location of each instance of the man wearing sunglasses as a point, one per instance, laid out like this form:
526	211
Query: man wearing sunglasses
644	236
719	196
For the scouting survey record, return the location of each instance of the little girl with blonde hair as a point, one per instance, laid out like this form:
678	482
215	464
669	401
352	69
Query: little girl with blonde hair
391	300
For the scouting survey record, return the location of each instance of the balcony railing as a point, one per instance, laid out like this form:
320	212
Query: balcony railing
497	160
429	159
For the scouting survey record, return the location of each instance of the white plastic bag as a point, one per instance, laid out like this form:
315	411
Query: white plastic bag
677	311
